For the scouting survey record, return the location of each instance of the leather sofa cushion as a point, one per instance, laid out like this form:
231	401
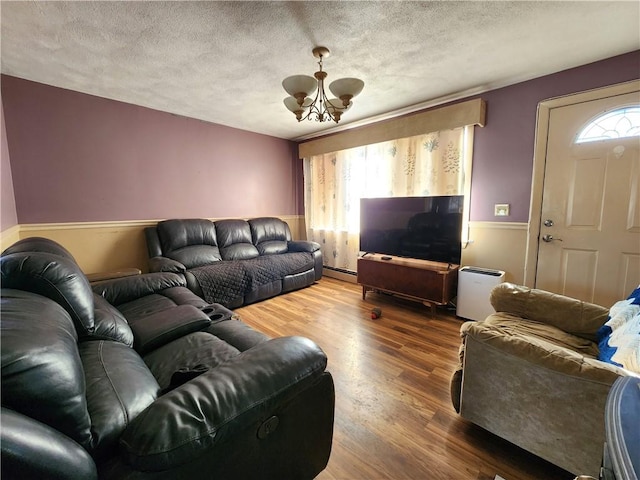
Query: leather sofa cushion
238	334
54	277
239	251
42	375
157	302
270	235
180	233
119	388
234	240
272	247
192	242
197	348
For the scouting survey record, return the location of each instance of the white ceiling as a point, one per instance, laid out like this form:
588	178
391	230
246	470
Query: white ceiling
224	62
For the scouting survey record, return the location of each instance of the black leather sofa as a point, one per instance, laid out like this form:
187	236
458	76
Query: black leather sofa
138	378
234	262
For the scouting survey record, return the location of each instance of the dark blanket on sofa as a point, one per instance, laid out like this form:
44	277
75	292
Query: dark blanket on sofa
224	281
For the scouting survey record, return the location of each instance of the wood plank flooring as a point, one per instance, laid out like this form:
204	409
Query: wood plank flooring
394	418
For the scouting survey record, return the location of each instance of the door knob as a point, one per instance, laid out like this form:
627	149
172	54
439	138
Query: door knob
548	222
549	238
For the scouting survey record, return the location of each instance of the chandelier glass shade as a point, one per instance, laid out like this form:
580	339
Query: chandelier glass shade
302	88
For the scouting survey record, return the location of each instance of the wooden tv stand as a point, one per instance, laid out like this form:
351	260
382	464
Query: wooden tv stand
432	283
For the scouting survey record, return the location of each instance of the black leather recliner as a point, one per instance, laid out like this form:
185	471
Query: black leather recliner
140	378
234	262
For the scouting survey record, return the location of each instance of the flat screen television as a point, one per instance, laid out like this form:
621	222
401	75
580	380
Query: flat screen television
428	228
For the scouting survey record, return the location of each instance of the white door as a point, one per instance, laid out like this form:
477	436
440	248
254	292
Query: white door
589	246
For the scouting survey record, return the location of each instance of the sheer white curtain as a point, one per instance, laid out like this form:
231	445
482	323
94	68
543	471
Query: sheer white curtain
430	164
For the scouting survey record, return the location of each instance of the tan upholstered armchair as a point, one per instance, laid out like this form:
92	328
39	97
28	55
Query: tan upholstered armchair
530	374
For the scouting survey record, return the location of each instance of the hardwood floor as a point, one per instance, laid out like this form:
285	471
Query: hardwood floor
394	418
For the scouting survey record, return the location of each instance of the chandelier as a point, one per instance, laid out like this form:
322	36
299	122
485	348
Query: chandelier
320	108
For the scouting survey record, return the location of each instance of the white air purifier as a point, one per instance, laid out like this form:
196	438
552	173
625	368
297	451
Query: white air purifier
474	286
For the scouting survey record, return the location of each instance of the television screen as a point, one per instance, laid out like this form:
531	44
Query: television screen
427	228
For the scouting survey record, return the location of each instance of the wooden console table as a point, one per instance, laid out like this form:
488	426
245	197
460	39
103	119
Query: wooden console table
432	283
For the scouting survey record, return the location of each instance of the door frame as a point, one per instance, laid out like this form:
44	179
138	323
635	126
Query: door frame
540	159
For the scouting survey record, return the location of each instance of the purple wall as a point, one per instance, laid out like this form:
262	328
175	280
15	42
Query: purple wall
8	215
78	158
503	148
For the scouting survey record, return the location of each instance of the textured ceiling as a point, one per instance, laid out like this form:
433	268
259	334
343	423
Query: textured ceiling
224	62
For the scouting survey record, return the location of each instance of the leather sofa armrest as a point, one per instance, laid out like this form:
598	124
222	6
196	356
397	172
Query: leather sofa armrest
127	289
311	247
162	327
33	450
568	314
302	246
193	418
164	264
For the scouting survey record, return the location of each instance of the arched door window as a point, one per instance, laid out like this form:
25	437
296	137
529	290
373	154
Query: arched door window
620	123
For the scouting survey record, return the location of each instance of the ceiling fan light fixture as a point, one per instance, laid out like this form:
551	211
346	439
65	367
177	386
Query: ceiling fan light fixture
321	109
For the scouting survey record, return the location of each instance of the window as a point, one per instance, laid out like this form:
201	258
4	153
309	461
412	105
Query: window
621	123
423	165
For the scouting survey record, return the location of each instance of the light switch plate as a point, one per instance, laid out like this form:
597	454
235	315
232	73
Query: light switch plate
501	210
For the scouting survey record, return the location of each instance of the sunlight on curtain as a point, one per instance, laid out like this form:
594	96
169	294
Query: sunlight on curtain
430	164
